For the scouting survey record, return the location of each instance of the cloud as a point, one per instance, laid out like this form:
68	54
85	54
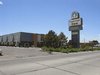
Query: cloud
1	3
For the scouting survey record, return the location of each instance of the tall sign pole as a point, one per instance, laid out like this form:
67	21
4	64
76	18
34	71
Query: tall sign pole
75	25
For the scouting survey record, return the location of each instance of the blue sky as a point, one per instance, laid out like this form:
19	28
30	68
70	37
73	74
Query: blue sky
40	16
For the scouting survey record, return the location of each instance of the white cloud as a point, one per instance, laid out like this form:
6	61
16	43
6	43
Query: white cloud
1	3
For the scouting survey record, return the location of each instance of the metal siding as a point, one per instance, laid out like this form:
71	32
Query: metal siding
17	37
5	37
21	37
39	38
10	38
0	38
34	37
27	37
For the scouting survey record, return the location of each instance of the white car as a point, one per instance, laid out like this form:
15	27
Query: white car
0	52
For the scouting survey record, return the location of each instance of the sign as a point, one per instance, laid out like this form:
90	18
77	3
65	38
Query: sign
75	23
75	15
74	33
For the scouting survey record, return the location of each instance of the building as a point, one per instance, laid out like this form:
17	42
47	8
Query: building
22	39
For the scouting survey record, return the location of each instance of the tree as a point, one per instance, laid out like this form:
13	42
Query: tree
94	42
62	39
51	39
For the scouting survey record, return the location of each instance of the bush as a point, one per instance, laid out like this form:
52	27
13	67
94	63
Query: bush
68	50
97	48
63	50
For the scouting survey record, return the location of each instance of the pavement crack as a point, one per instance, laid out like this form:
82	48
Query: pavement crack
58	69
67	71
31	71
90	65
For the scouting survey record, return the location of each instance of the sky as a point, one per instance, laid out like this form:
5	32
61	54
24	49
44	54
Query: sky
40	16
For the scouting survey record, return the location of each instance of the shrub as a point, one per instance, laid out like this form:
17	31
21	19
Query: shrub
69	50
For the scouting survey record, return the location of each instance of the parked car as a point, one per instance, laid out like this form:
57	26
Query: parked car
0	52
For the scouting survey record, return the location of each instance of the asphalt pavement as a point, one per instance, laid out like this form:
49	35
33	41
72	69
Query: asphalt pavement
28	62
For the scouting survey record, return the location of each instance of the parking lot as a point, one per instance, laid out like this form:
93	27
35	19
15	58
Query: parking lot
20	52
32	61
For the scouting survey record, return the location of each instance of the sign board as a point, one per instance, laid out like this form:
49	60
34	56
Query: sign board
74	33
75	15
75	28
76	22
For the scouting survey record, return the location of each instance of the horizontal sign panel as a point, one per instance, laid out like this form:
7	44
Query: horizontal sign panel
74	33
75	22
74	28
